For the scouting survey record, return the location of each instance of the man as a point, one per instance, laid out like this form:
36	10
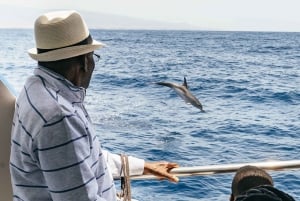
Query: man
55	153
251	183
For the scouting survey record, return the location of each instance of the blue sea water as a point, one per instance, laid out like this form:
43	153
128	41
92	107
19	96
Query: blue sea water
248	83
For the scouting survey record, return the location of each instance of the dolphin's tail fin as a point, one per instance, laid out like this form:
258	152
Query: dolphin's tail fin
165	84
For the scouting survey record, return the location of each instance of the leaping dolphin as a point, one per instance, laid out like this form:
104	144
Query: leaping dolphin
184	92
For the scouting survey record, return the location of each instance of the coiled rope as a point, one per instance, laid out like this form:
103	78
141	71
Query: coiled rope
125	193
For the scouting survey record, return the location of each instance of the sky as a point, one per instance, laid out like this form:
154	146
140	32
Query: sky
224	15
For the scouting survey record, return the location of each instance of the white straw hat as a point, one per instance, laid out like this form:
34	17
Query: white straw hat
60	35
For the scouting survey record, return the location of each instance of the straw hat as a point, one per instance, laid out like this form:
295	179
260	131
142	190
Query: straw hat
58	33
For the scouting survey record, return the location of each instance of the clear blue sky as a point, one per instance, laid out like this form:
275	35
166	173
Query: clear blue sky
245	15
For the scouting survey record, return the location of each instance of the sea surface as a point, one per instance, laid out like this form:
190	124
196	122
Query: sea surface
247	82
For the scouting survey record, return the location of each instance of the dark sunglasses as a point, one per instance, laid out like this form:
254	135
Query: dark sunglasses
96	57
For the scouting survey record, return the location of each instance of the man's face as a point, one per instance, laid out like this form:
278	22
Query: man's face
90	63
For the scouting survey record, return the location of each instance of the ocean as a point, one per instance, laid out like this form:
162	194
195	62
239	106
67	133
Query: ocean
247	82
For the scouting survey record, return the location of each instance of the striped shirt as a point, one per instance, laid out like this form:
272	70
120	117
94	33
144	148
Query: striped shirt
55	153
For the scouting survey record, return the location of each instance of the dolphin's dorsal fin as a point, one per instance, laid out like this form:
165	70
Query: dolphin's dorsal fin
185	83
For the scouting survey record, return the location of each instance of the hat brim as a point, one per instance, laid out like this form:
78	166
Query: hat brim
64	53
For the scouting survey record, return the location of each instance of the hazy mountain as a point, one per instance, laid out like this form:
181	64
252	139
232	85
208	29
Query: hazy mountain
108	21
22	17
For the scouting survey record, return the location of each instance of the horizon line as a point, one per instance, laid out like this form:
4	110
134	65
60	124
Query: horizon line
166	29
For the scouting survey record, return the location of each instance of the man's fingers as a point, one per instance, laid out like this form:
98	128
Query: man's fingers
173	178
170	176
172	165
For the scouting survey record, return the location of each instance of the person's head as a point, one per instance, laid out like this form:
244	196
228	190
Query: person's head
65	46
248	177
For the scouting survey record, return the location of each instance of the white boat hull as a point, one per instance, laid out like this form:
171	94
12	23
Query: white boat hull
7	105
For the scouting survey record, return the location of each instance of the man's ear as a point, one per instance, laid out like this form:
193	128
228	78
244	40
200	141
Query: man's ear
85	62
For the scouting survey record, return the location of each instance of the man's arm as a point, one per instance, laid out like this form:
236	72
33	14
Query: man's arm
136	165
139	167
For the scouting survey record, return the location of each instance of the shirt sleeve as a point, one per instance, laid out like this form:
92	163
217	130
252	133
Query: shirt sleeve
64	152
136	165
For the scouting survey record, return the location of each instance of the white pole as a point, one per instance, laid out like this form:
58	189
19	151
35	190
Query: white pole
218	169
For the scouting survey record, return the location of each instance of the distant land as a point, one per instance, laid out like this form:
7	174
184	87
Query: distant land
22	17
109	21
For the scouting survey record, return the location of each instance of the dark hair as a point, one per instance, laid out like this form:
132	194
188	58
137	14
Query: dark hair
65	66
248	177
264	193
61	64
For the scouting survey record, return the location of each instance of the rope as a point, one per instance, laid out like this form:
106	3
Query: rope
125	179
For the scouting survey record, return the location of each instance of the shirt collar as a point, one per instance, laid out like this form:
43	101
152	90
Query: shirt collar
60	84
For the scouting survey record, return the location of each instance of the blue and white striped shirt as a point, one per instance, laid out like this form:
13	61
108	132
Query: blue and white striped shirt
55	153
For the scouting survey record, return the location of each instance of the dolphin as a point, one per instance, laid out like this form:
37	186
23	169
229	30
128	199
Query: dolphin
184	92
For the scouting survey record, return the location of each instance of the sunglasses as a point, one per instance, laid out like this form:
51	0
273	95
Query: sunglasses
96	57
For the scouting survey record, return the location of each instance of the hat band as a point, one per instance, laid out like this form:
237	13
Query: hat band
83	42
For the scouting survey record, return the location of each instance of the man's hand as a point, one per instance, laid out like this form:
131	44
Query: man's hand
161	170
